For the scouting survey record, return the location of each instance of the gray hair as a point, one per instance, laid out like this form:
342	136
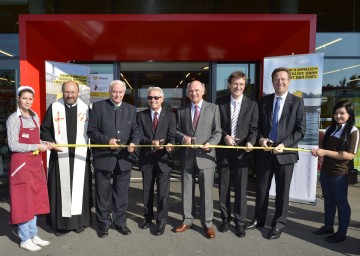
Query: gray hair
155	88
112	83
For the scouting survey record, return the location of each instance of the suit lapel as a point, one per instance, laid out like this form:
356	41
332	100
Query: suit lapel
161	123
228	112
188	116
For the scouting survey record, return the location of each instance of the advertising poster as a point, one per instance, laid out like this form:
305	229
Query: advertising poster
306	82
99	86
58	72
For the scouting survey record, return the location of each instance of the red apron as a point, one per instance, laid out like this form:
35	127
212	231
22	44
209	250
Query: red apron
28	188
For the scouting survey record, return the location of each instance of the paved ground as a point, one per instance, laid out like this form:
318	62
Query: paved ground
297	238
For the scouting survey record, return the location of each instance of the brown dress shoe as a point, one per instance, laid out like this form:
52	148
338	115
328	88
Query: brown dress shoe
210	233
182	228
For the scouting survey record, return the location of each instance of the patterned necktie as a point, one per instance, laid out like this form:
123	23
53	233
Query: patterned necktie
275	120
156	120
234	118
196	117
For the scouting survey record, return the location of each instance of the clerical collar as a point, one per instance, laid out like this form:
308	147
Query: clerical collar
115	105
70	106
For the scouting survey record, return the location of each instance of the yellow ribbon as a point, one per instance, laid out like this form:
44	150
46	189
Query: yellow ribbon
176	146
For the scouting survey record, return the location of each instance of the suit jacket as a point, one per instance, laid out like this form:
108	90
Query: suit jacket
291	127
106	122
246	128
208	130
165	130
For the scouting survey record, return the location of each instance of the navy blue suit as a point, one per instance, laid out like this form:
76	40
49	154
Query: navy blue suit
291	129
156	165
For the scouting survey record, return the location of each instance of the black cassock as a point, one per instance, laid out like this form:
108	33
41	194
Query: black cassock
54	218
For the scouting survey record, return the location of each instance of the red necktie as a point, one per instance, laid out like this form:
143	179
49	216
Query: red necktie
196	116
156	120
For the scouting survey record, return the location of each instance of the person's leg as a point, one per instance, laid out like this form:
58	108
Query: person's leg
339	186
206	183
33	231
188	189
121	183
224	194
23	231
163	189
329	204
148	194
240	186
283	176
102	190
264	174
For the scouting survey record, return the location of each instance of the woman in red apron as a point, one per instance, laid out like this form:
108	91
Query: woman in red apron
27	179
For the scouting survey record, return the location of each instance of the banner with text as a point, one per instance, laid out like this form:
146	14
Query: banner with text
58	72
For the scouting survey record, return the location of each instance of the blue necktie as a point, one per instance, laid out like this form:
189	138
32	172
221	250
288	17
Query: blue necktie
275	120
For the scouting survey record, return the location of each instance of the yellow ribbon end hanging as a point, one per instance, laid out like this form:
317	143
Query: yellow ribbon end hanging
36	152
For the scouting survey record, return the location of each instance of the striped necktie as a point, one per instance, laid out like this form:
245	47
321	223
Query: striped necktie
234	118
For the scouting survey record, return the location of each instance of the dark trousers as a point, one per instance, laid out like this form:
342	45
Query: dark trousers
335	192
162	179
117	192
268	167
231	169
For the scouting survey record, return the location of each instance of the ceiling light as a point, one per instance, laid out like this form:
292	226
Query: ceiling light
354	79
6	53
324	45
337	70
205	68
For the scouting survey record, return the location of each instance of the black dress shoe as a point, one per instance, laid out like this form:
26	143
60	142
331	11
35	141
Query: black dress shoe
324	230
274	234
79	230
254	224
240	231
102	233
124	230
335	238
224	226
145	224
160	230
60	232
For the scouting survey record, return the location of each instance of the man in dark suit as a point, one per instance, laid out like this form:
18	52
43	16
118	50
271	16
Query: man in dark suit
113	122
157	127
281	125
198	123
239	117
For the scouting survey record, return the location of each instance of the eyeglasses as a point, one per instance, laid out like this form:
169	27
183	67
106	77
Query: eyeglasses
154	97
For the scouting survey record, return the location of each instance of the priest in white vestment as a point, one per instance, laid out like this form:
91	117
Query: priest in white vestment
69	175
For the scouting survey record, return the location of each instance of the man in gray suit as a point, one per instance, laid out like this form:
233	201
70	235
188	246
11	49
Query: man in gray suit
198	123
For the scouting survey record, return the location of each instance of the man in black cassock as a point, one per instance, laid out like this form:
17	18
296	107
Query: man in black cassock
69	174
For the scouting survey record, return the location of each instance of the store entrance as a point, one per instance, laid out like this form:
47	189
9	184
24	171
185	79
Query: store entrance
172	77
